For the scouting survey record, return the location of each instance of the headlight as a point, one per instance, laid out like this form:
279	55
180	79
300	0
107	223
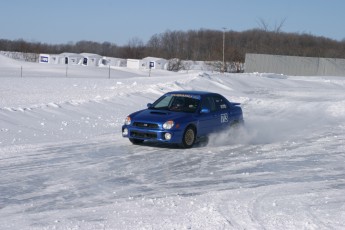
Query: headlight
125	132
128	120
168	124
167	136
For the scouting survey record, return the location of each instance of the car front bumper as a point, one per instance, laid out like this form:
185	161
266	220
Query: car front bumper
156	135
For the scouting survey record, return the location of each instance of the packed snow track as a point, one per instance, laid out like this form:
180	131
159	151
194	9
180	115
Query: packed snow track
65	165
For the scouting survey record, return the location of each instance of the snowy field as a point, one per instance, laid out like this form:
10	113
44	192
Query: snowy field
65	165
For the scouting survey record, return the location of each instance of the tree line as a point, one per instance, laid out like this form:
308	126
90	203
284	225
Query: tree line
197	45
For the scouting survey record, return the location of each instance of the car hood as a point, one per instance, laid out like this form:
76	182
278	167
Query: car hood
158	116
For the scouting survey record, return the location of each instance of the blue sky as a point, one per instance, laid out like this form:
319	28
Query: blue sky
64	21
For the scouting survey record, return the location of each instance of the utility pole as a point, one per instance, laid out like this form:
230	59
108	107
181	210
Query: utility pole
223	70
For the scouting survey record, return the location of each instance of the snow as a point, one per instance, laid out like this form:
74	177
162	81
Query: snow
65	165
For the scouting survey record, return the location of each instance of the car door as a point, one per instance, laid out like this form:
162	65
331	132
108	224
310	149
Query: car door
209	117
222	111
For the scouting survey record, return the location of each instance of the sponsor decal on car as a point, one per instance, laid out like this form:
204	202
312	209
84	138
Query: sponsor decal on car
186	95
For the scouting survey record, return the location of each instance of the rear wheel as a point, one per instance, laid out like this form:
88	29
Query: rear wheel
135	141
188	137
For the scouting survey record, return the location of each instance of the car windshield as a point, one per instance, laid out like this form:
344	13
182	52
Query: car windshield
178	103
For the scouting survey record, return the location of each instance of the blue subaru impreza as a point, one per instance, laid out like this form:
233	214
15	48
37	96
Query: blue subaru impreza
181	117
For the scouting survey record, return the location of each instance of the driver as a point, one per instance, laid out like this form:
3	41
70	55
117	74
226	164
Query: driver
178	104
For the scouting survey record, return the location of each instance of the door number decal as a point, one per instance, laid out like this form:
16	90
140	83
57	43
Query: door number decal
224	118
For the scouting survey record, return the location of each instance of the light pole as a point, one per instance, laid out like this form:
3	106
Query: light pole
223	70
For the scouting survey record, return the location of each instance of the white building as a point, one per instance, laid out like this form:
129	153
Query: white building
90	59
147	63
69	58
49	58
110	61
133	63
153	63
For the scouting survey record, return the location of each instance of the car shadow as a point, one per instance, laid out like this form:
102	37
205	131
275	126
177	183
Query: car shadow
199	143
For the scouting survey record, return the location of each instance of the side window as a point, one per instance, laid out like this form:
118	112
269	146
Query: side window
209	103
220	103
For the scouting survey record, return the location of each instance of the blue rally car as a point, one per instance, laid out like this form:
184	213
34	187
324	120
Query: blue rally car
181	117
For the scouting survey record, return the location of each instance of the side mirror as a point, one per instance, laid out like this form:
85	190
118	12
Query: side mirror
149	105
204	110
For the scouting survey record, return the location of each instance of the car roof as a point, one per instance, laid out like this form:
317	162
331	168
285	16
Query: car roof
192	92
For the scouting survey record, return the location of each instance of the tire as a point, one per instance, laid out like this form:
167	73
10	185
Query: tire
189	137
135	141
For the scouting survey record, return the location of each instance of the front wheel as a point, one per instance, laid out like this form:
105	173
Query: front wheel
188	137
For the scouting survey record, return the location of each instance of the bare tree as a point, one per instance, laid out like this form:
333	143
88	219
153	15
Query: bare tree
200	45
263	25
175	65
278	27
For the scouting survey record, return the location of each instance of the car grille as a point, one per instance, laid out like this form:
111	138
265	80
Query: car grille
143	135
145	125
